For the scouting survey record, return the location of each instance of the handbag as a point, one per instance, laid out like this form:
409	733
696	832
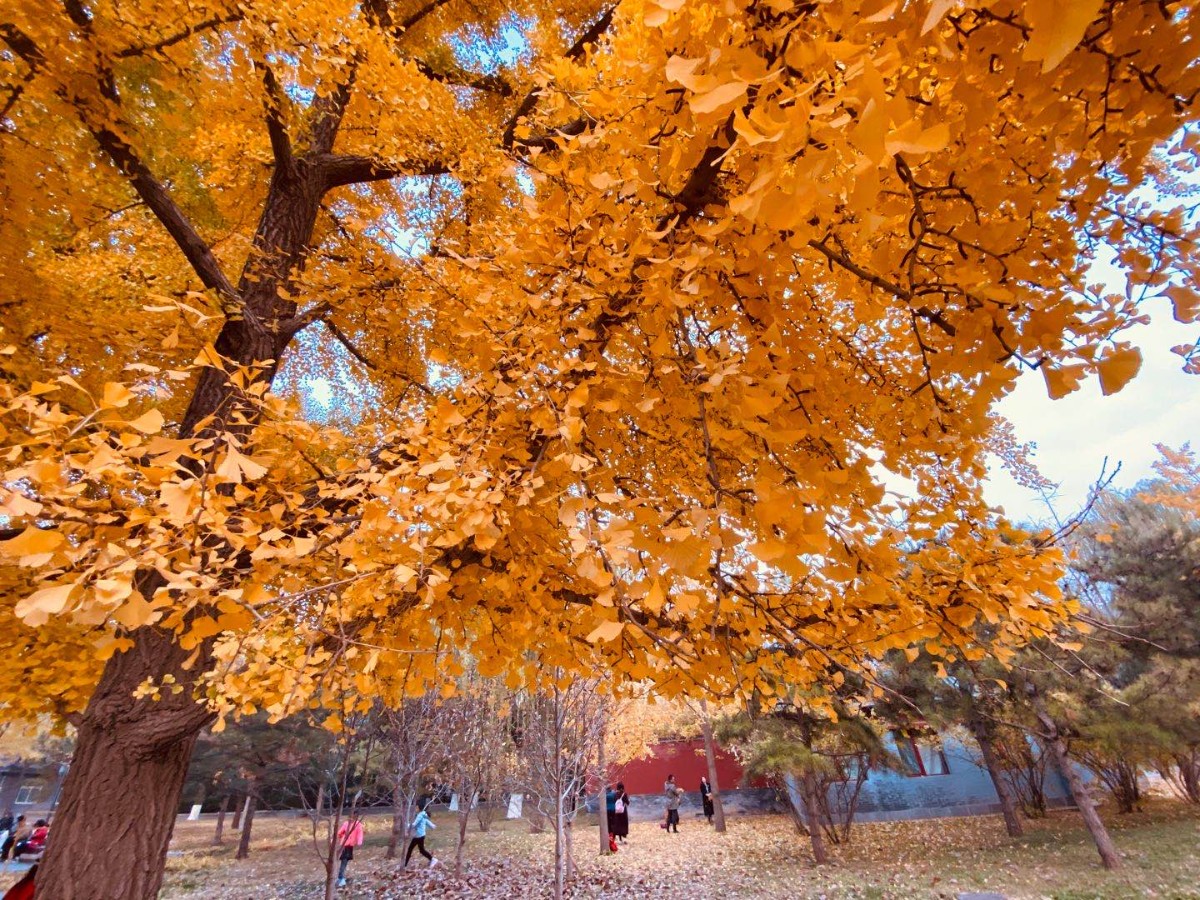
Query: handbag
619	806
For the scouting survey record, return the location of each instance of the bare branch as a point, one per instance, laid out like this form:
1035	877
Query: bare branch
345	341
293	326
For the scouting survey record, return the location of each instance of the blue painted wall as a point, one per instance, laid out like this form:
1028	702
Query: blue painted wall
965	789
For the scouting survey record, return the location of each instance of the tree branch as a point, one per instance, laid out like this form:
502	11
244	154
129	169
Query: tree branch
130	164
281	146
930	315
328	110
215	22
574	52
342	169
480	81
348	344
289	328
413	20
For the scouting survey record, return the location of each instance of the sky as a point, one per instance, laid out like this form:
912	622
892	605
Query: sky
1075	434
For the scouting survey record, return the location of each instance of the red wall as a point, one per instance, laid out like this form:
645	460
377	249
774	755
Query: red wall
684	760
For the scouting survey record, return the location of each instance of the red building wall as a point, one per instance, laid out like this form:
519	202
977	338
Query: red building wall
683	759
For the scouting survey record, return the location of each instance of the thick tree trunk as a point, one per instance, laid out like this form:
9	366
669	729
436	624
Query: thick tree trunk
808	790
1109	856
123	790
221	820
1008	803
243	849
710	756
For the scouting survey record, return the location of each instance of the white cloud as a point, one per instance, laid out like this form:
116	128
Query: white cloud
1076	433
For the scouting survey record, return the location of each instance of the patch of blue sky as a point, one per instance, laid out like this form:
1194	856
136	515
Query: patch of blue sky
327	382
524	182
471	47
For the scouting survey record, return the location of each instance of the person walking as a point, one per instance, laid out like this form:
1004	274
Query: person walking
610	809
7	821
419	826
674	797
618	822
349	836
706	798
21	830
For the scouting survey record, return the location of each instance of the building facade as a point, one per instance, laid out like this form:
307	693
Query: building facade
937	777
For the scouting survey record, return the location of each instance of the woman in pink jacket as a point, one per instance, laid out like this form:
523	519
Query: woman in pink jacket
349	836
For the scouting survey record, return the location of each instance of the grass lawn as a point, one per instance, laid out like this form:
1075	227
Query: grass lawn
759	857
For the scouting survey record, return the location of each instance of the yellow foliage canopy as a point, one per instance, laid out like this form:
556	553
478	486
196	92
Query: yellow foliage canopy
625	331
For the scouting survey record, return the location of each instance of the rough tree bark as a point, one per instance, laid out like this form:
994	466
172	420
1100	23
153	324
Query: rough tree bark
237	814
1008	803
401	815
123	789
1109	856
808	790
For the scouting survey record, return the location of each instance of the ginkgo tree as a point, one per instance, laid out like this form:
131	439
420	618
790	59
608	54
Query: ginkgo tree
633	314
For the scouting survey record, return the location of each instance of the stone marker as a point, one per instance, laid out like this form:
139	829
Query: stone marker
195	813
515	804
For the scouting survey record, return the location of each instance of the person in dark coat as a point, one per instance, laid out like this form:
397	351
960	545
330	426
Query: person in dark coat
706	798
618	820
20	831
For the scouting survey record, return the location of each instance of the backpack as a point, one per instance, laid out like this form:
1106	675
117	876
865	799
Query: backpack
619	806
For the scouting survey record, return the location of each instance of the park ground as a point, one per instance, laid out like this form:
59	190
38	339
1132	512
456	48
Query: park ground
759	857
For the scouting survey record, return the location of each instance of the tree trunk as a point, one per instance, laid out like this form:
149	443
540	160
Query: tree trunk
602	765
1079	793
221	820
559	848
1008	804
240	812
243	849
400	820
710	756
122	792
808	791
319	809
464	820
